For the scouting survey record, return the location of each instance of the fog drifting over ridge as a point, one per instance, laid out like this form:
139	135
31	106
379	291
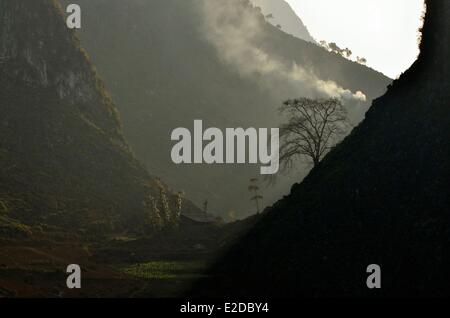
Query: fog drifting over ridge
235	34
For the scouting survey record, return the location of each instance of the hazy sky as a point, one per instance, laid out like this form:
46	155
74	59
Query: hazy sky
383	31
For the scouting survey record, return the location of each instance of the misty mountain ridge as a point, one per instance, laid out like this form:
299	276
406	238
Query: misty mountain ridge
235	70
280	14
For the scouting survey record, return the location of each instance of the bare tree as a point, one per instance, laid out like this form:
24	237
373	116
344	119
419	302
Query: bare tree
333	47
324	44
205	206
361	60
254	188
313	127
347	52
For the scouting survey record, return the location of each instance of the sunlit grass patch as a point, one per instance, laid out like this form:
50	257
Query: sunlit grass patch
163	270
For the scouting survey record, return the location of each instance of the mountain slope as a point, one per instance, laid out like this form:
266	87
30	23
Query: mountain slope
63	158
280	13
167	63
381	197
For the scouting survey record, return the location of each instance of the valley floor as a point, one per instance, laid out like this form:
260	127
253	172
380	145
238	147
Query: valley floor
34	270
163	265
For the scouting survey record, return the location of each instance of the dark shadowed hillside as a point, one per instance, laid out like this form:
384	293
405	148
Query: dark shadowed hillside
381	197
71	191
63	158
168	62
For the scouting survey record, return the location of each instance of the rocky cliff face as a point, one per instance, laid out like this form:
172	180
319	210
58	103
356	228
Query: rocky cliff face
435	46
63	158
381	197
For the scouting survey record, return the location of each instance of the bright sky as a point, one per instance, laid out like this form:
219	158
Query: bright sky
385	32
